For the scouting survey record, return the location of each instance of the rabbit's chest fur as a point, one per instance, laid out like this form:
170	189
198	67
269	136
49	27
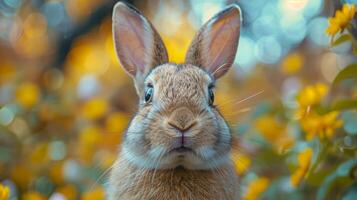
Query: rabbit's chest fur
130	183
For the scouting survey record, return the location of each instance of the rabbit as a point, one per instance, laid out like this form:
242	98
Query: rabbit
178	145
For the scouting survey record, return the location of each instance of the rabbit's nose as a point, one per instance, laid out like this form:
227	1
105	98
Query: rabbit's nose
180	128
182	119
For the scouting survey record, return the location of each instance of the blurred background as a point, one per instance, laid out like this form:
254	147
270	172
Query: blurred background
65	101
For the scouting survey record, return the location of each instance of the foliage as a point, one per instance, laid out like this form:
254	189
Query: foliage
60	127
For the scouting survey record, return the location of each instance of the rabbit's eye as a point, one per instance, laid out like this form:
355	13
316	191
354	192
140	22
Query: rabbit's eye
148	94
211	96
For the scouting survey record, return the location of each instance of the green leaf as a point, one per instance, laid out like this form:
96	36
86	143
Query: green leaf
351	193
319	176
343	38
345	104
348	72
342	171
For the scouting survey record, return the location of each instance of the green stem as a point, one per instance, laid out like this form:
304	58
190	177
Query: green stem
322	154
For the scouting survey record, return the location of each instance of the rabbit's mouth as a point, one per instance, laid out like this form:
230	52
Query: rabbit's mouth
182	149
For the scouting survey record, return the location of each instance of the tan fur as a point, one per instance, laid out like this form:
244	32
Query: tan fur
151	163
173	184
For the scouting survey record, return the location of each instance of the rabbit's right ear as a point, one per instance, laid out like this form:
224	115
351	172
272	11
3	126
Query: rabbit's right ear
215	45
137	43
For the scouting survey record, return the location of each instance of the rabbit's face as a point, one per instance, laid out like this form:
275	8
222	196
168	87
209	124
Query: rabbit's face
177	123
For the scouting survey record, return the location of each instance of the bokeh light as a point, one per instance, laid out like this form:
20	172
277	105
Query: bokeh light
65	101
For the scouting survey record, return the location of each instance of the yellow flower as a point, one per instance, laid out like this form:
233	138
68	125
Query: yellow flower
4	192
116	122
7	71
304	161
33	196
21	175
94	108
88	142
275	132
322	125
115	125
241	162
256	188
39	153
69	191
90	135
341	19
56	173
292	63
95	194
27	95
312	95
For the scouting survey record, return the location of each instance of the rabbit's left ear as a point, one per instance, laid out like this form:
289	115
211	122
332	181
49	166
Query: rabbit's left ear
215	45
137	43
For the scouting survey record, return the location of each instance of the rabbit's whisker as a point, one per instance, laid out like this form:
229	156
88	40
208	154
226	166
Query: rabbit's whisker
242	100
104	173
219	68
233	115
158	159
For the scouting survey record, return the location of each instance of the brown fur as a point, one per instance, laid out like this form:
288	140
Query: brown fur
173	184
151	163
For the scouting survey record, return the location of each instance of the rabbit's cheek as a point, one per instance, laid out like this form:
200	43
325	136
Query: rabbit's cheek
205	136
160	139
157	151
206	152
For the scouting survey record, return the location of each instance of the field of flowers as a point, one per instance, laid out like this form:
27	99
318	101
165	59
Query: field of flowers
291	97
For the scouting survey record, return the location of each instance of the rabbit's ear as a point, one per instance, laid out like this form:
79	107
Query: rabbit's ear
215	45
137	43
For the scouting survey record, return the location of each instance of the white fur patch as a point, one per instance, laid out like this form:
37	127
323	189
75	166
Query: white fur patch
136	159
206	152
